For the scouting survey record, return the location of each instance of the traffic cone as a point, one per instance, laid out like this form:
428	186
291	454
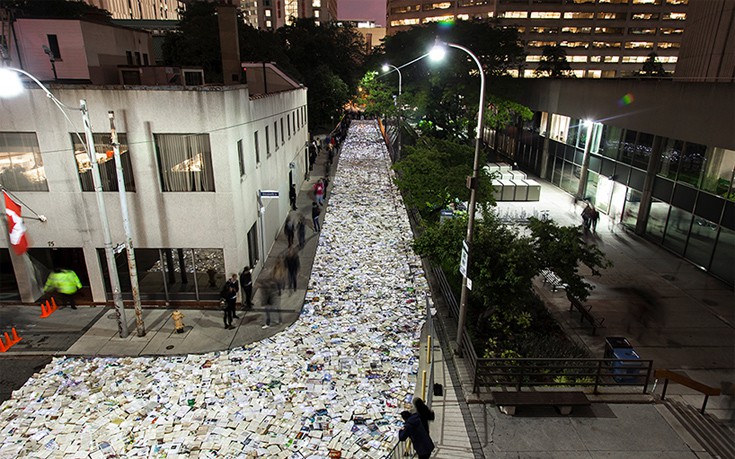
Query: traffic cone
16	338
2	346
53	303
45	310
8	342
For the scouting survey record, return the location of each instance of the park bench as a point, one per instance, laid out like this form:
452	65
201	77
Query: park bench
585	313
552	279
507	402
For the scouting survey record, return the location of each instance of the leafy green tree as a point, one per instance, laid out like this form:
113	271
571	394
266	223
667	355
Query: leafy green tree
554	63
375	96
433	174
562	250
652	67
327	94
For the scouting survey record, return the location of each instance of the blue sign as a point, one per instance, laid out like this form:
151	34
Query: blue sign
268	194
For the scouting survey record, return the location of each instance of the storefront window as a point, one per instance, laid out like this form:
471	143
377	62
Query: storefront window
643	149
701	241
627	149
670	157
718	172
632	205
591	190
610	144
677	229
692	162
570	177
657	220
722	264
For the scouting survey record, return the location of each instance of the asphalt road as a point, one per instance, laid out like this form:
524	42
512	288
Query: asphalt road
15	371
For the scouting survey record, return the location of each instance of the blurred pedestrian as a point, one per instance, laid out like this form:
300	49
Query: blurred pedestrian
315	211
413	429
301	231
270	300
292	196
289	229
65	283
319	192
279	274
424	412
246	281
292	264
594	218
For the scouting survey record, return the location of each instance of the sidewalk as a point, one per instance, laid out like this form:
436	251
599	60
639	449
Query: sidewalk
60	333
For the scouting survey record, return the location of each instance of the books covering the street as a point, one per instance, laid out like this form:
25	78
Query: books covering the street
331	385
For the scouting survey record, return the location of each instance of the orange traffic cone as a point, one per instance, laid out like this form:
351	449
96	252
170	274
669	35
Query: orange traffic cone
16	338
53	303
45	310
2	346
8	342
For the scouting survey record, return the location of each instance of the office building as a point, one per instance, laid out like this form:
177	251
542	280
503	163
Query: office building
602	38
273	14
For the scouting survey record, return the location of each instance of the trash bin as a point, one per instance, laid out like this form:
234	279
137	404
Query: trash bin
617	347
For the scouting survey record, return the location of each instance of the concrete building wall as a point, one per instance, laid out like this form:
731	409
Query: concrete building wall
218	219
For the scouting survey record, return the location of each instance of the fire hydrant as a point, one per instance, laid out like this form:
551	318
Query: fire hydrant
178	319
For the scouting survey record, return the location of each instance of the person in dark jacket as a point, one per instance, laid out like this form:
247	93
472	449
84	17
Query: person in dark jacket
413	429
246	281
425	413
292	196
315	211
229	294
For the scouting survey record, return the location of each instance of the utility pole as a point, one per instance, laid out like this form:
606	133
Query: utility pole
132	267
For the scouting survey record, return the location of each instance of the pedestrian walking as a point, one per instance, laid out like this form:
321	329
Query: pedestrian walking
292	196
301	231
424	412
278	275
65	283
315	211
271	301
289	229
325	181
229	295
312	155
292	264
594	218
246	281
330	156
413	429
319	192
587	217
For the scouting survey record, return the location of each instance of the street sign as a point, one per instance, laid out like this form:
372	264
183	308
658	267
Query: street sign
469	283
465	247
463	262
268	193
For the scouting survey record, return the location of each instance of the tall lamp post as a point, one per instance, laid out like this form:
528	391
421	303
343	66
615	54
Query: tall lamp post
387	67
437	53
11	85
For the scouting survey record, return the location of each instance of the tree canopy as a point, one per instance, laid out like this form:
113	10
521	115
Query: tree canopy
652	67
554	63
57	9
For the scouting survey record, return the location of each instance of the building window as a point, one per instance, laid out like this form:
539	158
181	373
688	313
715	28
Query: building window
610	16
670	31
579	15
608	30
283	139
404	22
275	135
267	143
645	16
586	30
268	13
21	166
606	44
646	2
642	31
514	15
253	252
448	17
437	6
129	57
185	162
674	16
145	59
53	46
105	161
639	45
240	158
677	2
668	45
544	30
137	58
288	125
257	148
474	2
405	9
574	44
545	15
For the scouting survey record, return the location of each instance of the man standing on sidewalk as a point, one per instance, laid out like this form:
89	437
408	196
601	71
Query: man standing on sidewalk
292	196
246	280
315	211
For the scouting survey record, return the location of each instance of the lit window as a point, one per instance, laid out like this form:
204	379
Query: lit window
576	30
514	14
606	44
646	2
594	73
609	30
316	3
449	17
579	15
642	31
638	45
595	58
578	73
677	2
544	30
674	16
530	58
316	13
513	73
577	58
268	24
404	22
584	1
21	165
530	74
463	17
607	16
574	44
405	9
644	16
541	44
634	59
612	58
185	162
437	6
670	31
545	15
667	45
617	2
268	13
473	2
105	162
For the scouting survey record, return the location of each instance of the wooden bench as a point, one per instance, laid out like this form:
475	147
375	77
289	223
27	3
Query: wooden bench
585	314
562	401
552	279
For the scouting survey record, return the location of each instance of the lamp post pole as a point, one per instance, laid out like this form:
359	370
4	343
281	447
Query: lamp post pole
473	198
400	118
11	86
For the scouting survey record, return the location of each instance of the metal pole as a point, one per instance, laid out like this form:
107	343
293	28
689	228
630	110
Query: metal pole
122	324
132	267
473	200
582	186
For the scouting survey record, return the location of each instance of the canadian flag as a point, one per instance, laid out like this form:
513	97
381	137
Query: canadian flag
15	226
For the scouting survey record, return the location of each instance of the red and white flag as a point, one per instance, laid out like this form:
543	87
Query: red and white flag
15	226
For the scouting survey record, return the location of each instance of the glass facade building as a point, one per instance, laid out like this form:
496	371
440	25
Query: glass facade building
676	193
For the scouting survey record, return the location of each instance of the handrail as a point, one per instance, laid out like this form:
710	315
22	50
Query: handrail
668	375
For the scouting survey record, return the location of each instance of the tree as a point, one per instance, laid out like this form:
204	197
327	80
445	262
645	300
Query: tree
56	9
432	175
554	63
652	67
375	96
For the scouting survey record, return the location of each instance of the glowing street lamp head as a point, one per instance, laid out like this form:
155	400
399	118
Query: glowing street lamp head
385	67
438	51
10	83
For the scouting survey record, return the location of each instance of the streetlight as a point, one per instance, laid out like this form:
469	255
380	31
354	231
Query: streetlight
386	68
437	53
10	86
